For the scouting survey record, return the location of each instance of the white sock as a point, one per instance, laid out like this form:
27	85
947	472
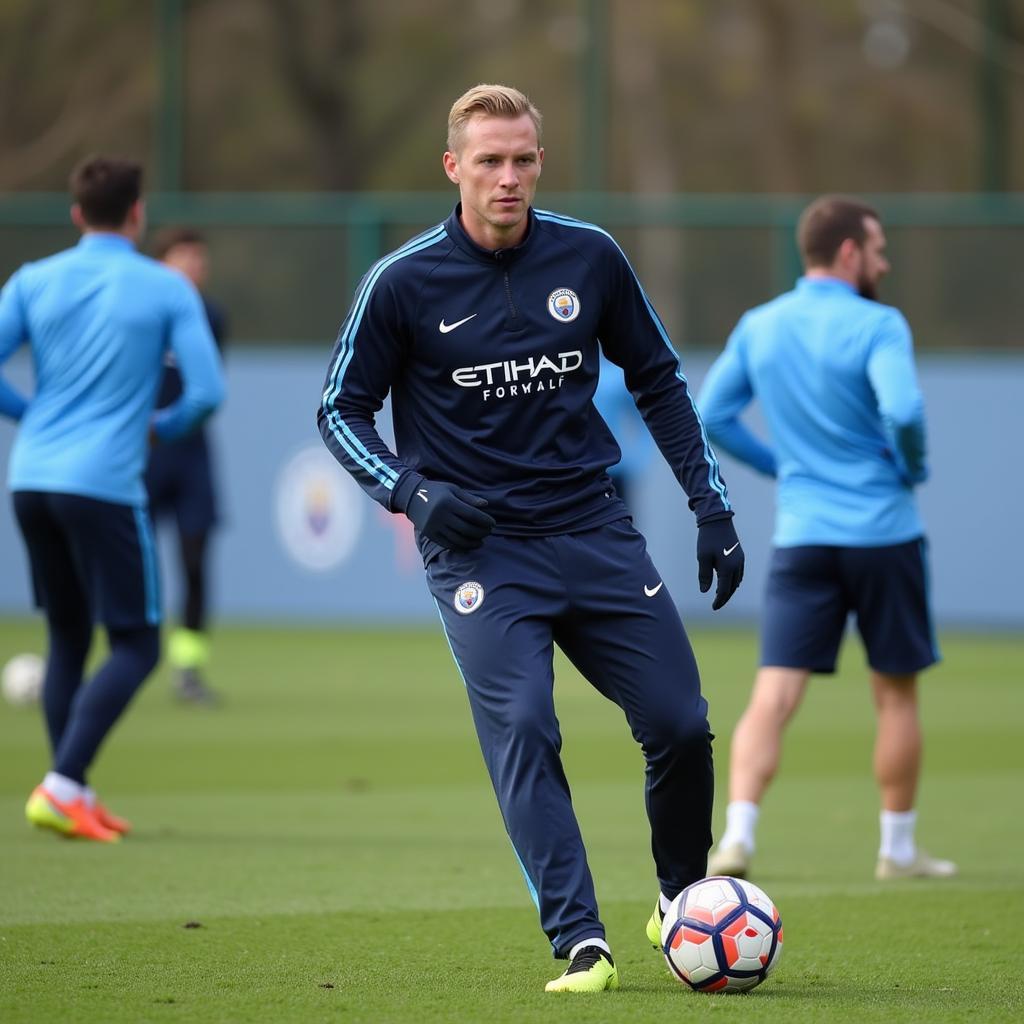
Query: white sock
64	789
663	903
595	941
898	836
740	822
90	796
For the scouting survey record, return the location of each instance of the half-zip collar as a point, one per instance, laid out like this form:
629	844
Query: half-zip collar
457	233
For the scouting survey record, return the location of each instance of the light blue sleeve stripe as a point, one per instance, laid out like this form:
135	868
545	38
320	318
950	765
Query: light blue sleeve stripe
714	473
362	300
151	578
373	464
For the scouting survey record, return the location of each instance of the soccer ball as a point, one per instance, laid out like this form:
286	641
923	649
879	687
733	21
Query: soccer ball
22	679
721	935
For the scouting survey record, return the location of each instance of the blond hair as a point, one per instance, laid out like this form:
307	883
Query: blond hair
492	100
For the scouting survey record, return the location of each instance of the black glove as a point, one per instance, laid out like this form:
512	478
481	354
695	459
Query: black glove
719	550
448	515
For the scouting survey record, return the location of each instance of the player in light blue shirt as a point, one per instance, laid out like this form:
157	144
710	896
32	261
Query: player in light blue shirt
833	372
99	319
619	411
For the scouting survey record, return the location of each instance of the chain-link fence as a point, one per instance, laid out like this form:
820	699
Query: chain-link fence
285	265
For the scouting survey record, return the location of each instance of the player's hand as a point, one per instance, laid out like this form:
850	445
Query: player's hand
719	551
449	516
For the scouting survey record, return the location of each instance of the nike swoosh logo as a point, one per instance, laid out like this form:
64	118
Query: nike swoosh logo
445	328
651	591
728	551
422	494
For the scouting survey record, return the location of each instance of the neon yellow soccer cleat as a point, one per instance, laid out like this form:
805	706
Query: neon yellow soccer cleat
654	926
591	970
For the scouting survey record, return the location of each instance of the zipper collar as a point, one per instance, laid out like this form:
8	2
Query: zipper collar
492	257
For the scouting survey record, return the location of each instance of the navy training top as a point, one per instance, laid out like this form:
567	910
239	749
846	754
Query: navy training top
492	359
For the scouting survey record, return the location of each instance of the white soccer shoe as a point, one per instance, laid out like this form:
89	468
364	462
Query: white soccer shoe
731	860
922	866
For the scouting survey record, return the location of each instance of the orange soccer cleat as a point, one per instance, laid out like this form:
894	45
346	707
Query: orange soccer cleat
109	820
74	818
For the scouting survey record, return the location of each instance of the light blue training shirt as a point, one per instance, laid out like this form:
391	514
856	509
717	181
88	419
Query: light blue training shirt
99	318
834	375
619	411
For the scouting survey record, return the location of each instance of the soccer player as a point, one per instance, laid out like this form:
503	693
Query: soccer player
833	371
98	318
179	481
485	331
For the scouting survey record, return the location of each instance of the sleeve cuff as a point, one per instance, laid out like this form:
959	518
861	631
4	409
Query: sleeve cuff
715	517
404	489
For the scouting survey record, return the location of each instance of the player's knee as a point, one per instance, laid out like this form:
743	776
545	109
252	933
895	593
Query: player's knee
777	695
192	555
149	652
141	646
528	727
73	635
771	709
680	731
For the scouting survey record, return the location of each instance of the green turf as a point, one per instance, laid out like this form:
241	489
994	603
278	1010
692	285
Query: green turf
332	833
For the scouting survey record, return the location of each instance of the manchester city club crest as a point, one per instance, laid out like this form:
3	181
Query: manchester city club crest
564	305
318	510
468	597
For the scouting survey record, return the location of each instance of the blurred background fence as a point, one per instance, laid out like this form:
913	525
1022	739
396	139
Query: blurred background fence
286	264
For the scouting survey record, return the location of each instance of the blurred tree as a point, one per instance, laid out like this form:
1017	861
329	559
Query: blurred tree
637	79
735	95
74	78
317	47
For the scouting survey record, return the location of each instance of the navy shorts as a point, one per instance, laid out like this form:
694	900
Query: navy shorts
90	558
179	480
812	590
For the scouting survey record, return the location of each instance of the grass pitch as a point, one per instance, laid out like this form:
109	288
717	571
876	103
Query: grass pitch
326	847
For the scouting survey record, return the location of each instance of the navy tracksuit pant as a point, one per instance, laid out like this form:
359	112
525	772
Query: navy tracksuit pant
598	596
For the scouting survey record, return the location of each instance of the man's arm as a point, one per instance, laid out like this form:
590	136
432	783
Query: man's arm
894	380
726	392
634	338
13	331
195	353
367	358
